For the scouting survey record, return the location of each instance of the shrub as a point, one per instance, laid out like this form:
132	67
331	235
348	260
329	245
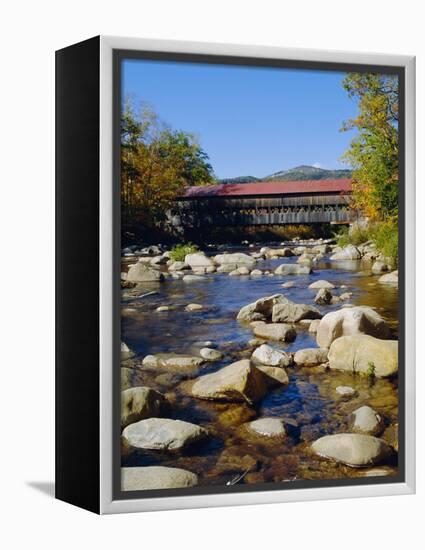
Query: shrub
386	239
356	236
178	252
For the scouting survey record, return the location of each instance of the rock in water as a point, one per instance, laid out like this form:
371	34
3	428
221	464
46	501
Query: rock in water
323	297
210	354
366	420
310	357
163	434
289	312
260	309
345	391
193	278
266	355
275	331
194	307
292	269
238	382
274	376
236	260
356	450
389	278
349	321
140	273
321	284
173	363
364	354
156	477
268	427
198	260
349	252
140	403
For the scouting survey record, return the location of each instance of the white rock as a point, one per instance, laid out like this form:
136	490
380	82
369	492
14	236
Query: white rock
346	391
366	420
156	477
310	357
266	355
194	307
210	354
198	260
276	331
267	427
389	278
349	252
321	284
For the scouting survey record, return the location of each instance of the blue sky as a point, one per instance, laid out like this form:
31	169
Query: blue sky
250	121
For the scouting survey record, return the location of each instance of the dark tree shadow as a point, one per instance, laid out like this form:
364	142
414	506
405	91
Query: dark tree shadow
46	487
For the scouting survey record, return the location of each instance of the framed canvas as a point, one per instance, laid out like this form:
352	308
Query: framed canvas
234	274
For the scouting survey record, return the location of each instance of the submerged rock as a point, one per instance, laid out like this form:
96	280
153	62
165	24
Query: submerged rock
156	477
345	391
163	434
364	354
356	450
275	331
194	307
266	355
140	403
176	363
349	321
310	357
193	278
238	382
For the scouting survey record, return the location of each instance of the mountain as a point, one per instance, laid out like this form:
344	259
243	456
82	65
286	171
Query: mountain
308	173
303	172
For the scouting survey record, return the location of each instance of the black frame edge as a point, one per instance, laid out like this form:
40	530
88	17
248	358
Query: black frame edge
77	461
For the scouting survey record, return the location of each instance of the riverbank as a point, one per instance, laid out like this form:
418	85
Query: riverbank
182	323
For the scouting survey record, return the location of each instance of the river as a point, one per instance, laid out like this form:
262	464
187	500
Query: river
309	405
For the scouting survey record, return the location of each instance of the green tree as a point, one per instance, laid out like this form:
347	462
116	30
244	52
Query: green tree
373	153
157	163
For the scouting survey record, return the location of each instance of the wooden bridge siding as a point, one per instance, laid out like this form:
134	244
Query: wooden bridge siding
226	211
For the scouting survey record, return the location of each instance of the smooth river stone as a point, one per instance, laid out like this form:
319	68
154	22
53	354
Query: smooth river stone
140	403
163	434
156	477
267	427
276	331
356	450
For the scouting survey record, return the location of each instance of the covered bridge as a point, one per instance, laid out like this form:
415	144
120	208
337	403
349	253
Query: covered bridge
265	203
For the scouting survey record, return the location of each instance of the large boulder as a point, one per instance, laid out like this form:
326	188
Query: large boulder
238	382
364	354
140	403
141	273
292	269
349	252
163	434
260	309
178	266
156	477
266	355
366	420
349	321
286	311
235	260
198	260
389	278
309	357
280	332
355	450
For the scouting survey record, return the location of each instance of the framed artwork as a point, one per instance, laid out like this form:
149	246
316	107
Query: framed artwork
235	274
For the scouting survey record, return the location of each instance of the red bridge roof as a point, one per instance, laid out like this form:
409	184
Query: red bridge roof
270	188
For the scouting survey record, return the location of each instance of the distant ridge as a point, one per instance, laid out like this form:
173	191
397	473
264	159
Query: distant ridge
298	173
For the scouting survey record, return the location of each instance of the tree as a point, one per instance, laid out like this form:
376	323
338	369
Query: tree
157	163
373	153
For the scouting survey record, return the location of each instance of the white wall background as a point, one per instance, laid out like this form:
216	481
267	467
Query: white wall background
30	32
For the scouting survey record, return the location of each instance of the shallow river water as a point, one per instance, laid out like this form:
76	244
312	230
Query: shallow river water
309	406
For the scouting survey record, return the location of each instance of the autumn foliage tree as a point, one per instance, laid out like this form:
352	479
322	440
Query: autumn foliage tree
157	163
373	153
